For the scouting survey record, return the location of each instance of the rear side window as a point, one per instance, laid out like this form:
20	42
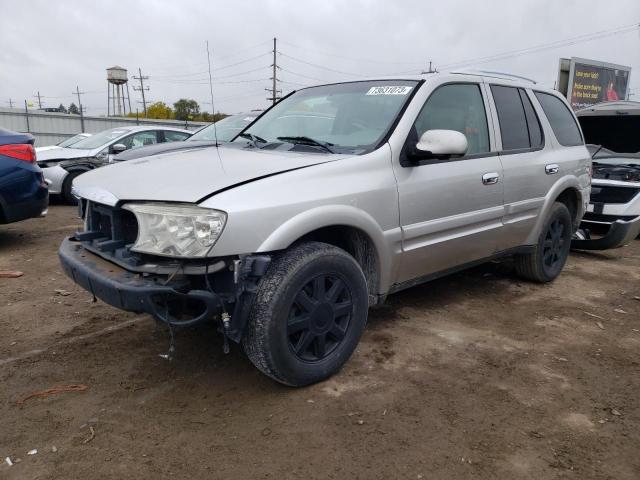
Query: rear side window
512	118
562	122
535	131
171	136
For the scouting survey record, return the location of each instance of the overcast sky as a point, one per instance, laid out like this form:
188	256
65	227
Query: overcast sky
52	46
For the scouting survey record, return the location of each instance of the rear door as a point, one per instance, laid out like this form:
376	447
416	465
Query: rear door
528	160
450	210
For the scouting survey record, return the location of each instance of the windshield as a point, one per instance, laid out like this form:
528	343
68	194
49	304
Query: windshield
70	141
100	139
226	129
349	117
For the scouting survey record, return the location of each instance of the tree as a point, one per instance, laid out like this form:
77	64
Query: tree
160	110
186	109
73	109
208	117
61	109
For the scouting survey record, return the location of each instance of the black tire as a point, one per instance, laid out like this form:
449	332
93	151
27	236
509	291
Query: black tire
308	314
66	188
550	254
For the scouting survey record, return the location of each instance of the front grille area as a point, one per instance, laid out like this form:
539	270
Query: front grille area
108	231
607	194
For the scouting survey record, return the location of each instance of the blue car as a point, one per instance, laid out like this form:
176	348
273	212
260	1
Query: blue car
23	191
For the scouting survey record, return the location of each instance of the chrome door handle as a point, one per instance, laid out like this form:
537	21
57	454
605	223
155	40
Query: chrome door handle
551	169
490	178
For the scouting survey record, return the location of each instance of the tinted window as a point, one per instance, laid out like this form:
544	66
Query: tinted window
511	116
535	131
564	126
456	107
171	136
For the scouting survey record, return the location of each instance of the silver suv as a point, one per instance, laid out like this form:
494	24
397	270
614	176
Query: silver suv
332	199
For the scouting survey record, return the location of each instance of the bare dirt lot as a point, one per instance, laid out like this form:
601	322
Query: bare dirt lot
479	375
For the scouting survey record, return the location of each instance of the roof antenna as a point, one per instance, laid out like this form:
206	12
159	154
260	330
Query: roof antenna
213	109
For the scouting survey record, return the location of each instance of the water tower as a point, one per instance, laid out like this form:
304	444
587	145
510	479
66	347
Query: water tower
117	91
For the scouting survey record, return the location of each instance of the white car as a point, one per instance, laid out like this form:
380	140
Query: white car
65	143
613	130
61	165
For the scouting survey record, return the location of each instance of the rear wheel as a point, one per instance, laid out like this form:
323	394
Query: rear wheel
66	188
550	254
308	314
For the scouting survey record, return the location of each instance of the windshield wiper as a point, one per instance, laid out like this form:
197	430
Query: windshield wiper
308	141
254	139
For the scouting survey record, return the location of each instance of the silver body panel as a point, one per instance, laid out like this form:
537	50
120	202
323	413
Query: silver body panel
421	219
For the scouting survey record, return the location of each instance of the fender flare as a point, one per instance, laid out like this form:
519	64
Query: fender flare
329	216
564	183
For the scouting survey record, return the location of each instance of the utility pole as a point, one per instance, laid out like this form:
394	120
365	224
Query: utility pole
39	101
26	116
274	91
431	69
81	109
141	89
10	103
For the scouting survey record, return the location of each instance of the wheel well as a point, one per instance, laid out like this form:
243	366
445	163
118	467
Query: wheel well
571	199
357	244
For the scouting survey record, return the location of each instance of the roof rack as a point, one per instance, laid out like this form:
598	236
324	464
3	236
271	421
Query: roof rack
488	73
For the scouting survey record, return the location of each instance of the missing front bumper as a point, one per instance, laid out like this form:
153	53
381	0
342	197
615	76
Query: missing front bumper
134	292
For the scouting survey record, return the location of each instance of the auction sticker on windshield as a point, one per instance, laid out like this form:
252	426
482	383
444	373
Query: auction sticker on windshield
389	90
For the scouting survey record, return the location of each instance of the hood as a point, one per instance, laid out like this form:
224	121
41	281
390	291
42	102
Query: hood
58	153
40	150
191	175
618	133
161	148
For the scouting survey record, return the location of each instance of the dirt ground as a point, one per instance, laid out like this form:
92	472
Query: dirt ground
479	375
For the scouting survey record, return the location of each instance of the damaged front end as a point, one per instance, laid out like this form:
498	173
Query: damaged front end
613	215
179	293
612	219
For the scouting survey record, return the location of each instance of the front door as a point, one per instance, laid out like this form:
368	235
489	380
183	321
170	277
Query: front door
450	210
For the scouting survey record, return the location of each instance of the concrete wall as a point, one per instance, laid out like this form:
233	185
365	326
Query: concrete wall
52	128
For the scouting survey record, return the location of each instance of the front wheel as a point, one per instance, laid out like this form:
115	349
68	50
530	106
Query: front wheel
66	188
308	314
550	253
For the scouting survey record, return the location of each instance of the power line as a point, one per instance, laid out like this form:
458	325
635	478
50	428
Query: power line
243	61
365	60
322	67
196	80
542	47
302	75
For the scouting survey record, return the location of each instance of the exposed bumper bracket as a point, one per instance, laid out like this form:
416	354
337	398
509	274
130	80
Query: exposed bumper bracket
132	292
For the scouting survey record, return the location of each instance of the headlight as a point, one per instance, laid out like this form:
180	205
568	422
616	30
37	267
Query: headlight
176	230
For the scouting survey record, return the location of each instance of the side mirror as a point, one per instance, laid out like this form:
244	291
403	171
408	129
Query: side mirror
118	148
440	144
